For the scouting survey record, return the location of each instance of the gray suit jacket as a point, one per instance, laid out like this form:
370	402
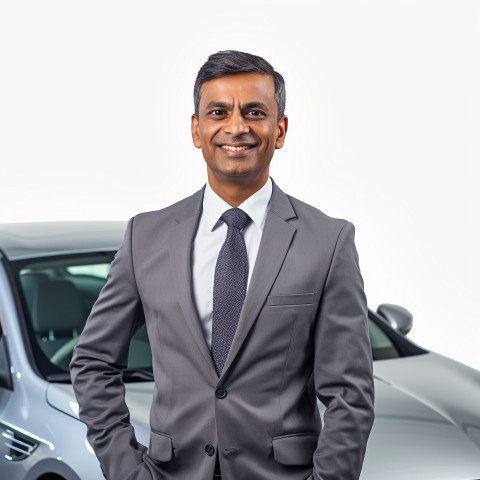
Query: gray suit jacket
302	334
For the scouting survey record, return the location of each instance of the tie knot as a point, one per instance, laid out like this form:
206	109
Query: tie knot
235	217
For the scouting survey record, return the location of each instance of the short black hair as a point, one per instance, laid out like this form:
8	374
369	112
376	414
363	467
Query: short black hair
232	62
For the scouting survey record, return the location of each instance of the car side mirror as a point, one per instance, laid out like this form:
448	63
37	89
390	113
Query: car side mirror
399	318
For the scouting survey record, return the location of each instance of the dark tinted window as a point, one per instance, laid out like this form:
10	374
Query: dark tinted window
58	295
382	346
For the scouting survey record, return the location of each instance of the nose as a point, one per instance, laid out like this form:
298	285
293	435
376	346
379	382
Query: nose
236	124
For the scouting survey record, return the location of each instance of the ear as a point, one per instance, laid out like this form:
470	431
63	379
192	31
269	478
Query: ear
195	134
282	128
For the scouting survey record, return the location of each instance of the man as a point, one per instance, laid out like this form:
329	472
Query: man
254	307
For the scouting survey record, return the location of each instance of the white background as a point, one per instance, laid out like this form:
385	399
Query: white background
383	100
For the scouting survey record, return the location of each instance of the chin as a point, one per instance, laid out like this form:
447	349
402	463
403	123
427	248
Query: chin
233	171
236	174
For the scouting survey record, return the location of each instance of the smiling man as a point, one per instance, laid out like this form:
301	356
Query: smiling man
254	307
237	127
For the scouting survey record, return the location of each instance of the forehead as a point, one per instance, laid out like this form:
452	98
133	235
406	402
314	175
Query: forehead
242	87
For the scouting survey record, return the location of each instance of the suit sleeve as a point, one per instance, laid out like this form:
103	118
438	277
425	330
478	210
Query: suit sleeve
343	370
97	364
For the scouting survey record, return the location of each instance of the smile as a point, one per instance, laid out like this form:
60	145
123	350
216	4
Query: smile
236	149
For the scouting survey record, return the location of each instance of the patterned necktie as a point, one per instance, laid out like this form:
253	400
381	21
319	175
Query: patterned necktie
229	286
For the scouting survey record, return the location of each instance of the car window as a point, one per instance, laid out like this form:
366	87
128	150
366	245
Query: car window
382	346
5	374
58	295
99	270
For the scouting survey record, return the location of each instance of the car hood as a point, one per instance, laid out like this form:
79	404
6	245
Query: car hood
425	422
138	397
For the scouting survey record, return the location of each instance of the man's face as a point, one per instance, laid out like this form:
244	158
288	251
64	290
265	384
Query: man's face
237	127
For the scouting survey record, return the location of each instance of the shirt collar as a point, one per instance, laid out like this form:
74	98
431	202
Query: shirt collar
255	206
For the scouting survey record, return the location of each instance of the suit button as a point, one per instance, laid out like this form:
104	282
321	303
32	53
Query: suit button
221	392
210	450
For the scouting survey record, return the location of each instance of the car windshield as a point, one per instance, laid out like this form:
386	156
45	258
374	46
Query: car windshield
58	294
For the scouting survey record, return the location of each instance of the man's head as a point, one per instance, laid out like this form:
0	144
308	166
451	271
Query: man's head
238	121
232	62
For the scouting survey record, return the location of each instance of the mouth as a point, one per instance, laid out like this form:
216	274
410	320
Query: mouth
236	148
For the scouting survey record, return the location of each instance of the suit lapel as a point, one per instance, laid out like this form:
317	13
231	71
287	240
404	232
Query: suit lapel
181	239
276	239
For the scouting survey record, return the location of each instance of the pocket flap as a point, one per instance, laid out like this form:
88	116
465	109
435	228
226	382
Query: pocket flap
291	299
160	447
295	449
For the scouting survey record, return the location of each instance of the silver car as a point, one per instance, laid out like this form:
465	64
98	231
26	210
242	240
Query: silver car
427	424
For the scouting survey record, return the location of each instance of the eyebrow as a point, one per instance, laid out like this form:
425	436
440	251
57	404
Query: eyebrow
256	105
229	105
218	105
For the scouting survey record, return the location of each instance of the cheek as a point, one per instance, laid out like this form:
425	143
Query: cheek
207	136
269	143
270	137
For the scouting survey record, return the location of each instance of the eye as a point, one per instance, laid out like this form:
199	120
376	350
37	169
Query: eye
217	112
256	113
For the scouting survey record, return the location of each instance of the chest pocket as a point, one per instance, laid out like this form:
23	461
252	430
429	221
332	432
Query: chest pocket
290	299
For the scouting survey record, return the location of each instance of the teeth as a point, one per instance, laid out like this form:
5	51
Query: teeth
236	149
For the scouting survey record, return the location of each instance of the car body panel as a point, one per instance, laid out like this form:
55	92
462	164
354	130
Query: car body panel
448	386
28	414
413	438
138	396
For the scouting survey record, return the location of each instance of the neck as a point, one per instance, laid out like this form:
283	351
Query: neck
235	193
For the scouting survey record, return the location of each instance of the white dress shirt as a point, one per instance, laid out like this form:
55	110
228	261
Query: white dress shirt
210	236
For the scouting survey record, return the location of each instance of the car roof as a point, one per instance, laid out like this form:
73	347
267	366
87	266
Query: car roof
38	239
